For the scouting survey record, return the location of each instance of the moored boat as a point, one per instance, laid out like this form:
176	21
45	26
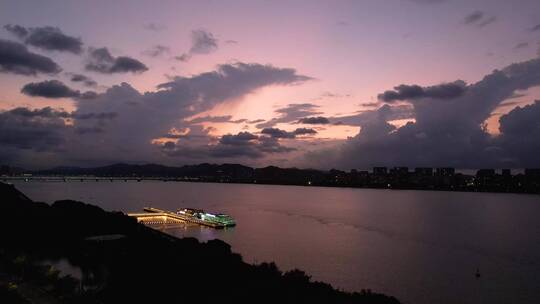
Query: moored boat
205	218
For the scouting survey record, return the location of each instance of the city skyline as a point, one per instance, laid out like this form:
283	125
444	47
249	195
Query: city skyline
346	84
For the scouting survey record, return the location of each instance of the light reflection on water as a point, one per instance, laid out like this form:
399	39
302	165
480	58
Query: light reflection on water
420	246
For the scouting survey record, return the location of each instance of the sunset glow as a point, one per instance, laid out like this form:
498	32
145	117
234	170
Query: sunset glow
213	69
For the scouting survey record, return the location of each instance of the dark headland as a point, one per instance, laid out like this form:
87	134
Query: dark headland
122	261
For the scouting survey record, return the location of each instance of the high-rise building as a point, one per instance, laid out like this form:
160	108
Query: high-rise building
423	171
380	170
445	171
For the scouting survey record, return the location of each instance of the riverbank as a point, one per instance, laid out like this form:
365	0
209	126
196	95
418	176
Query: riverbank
399	178
124	261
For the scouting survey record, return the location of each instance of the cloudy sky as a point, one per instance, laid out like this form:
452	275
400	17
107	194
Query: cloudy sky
344	84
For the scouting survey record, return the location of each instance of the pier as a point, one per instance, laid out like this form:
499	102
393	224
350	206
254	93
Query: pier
156	218
153	216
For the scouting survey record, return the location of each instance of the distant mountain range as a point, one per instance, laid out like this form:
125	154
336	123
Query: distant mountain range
152	170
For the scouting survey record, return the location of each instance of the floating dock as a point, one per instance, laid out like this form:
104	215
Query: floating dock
158	216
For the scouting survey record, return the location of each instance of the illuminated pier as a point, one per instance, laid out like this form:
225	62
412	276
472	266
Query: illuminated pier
154	216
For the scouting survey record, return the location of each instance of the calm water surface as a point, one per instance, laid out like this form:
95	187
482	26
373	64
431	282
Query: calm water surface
420	246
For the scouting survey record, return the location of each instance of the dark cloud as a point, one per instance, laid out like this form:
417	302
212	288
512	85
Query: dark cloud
88	130
127	64
49	89
316	120
304	131
242	138
122	124
247	144
155	27
19	31
521	45
519	141
228	151
521	121
15	58
157	50
100	116
183	57
88	95
278	133
291	113
487	21
243	144
479	19
168	111
473	17
450	132
39	130
54	89
41	135
240	76
48	38
272	145
202	42
535	28
49	112
85	80
101	61
385	113
46	112
408	92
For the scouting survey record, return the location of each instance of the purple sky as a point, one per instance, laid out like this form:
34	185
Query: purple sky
288	83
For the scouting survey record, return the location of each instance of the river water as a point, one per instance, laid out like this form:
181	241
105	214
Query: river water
419	246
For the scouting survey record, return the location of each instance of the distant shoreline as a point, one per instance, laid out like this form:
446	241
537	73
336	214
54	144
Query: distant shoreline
117	179
420	178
